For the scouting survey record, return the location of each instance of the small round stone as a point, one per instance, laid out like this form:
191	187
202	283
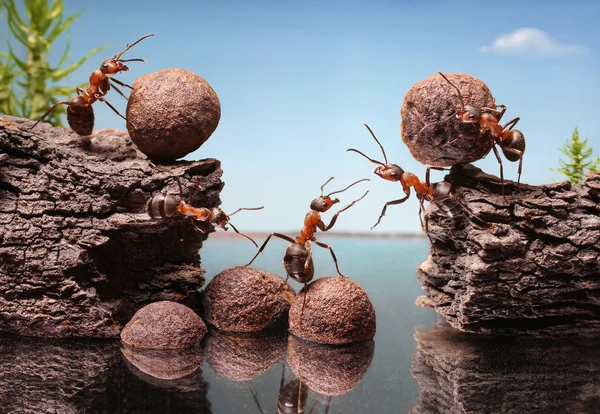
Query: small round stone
163	325
337	311
448	141
330	370
243	357
243	299
171	113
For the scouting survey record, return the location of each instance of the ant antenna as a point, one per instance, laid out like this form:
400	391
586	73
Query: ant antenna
246	208
370	159
118	55
454	86
355	182
326	182
376	140
241	234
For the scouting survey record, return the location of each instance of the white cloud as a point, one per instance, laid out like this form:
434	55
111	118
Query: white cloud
531	41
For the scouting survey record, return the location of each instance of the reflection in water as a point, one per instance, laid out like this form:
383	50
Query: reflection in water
330	370
466	373
84	376
292	395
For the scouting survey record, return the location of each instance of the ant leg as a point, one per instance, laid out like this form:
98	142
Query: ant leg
309	249
68	103
335	216
433	168
303	302
281	236
390	203
118	82
520	154
120	92
101	99
241	234
512	124
326	246
501	169
254	397
499	114
425	226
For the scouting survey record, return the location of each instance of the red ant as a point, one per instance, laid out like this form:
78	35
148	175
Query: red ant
511	141
439	194
80	114
298	261
166	206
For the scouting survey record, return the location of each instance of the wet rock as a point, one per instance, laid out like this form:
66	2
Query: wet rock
330	370
171	113
337	311
243	357
242	299
164	325
450	141
164	364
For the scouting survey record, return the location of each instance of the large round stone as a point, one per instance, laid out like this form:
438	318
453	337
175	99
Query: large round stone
243	299
163	325
171	113
330	370
445	141
337	311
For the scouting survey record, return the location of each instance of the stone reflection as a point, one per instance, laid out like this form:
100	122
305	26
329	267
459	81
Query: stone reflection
88	376
330	371
466	373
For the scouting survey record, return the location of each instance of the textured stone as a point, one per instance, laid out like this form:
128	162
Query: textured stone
465	373
450	141
242	299
330	370
78	252
164	325
534	271
171	113
243	357
337	311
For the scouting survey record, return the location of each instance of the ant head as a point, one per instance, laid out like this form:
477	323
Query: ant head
469	115
219	218
112	66
389	172
323	203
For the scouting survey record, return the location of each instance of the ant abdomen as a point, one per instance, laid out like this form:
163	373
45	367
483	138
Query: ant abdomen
515	141
162	206
80	116
294	260
445	200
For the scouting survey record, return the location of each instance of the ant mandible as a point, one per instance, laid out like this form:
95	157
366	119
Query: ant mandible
298	261
166	206
511	141
439	194
80	114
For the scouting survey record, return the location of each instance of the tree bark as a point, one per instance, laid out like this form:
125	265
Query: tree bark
535	270
78	252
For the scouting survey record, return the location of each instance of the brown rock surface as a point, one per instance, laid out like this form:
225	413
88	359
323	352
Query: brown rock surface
337	311
164	325
242	299
78	252
171	113
449	142
243	357
330	370
535	271
465	373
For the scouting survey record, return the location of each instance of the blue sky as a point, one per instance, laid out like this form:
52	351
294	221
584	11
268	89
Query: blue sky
297	79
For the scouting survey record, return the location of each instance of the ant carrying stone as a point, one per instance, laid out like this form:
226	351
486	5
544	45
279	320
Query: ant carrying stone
298	261
166	206
80	114
439	194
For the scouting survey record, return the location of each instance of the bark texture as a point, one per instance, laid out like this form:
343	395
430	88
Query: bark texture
534	271
465	373
78	253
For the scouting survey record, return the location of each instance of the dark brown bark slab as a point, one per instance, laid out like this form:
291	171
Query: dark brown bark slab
465	373
78	253
534	271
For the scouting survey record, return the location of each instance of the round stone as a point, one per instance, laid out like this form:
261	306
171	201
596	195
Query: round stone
243	357
171	113
243	299
433	135
337	311
163	325
330	370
